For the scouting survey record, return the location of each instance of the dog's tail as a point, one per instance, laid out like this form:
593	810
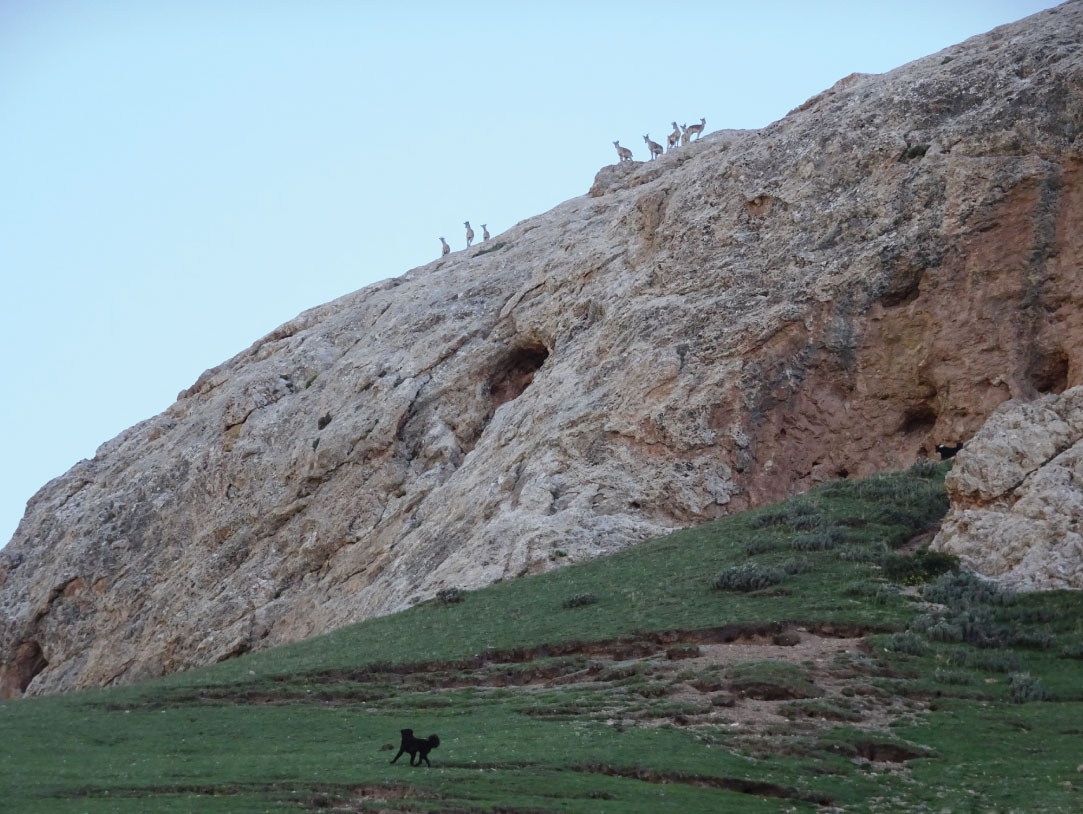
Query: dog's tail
434	741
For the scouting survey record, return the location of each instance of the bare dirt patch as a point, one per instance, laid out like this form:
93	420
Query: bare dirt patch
685	678
741	785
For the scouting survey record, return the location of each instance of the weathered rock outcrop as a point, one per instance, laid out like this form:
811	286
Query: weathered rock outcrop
834	294
1017	496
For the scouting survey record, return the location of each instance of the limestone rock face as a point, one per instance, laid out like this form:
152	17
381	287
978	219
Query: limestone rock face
745	316
1017	496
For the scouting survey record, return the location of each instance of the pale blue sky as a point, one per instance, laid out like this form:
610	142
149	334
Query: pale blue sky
179	177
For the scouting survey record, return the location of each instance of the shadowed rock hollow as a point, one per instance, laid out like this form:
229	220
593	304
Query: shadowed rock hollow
756	312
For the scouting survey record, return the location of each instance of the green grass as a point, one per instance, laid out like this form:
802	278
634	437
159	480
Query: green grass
545	700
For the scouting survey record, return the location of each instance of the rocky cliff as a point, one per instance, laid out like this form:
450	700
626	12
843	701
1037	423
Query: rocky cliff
1017	496
758	311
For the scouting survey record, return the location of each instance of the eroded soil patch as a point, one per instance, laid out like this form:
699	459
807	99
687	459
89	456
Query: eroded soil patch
317	797
813	677
738	784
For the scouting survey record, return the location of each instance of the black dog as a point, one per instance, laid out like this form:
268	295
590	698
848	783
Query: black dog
413	746
948	451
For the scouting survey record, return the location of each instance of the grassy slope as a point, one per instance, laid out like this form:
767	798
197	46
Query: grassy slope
546	708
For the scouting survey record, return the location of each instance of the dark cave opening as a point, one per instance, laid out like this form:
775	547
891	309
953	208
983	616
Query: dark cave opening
29	661
918	418
1049	373
516	372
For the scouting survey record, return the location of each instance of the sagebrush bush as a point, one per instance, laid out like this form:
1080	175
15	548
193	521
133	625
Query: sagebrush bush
758	545
798	565
861	587
958	657
1029	615
795	516
750	576
1072	651
1040	639
775	517
924	468
579	600
1024	687
996	661
933	621
874	552
942	676
918	568
991	661
958	589
910	504
449	596
979	627
943	631
875	592
807	522
907	642
820	540
906	516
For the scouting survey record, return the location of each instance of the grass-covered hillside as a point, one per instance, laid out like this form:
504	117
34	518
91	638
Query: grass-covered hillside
804	656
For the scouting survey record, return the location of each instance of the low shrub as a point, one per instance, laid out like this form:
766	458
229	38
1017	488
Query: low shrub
911	504
750	576
819	540
876	592
891	515
683	651
1041	639
449	596
1029	614
942	676
825	710
918	568
758	545
924	468
944	631
916	151
958	589
579	600
874	552
786	638
1024	687
907	642
796	516
979	627
806	522
1072	651
775	517
991	661
863	587
798	565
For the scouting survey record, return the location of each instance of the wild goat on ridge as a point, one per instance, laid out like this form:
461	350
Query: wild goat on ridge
484	233
673	140
693	130
653	146
469	234
624	153
446	248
